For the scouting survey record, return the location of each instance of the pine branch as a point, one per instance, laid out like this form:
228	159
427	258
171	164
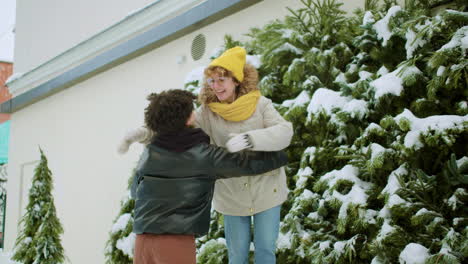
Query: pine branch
300	20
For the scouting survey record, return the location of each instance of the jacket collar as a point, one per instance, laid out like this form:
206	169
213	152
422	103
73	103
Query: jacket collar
182	140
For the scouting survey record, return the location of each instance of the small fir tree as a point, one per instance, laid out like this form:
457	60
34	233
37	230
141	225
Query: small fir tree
120	246
39	240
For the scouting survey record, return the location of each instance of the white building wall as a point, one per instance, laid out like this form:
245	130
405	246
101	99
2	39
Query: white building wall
47	28
79	128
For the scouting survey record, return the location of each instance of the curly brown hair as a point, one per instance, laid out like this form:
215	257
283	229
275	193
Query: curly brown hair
249	83
169	111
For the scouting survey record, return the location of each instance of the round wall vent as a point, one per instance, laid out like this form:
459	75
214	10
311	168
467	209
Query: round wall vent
198	47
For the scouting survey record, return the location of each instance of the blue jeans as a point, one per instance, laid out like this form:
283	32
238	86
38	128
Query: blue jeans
266	228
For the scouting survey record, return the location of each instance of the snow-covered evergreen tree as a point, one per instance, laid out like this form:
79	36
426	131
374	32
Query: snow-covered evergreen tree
378	167
378	100
120	246
39	239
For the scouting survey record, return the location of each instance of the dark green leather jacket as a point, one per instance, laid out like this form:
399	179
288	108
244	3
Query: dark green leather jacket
173	191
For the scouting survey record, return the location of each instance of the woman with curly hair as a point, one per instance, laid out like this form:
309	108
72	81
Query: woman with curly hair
235	115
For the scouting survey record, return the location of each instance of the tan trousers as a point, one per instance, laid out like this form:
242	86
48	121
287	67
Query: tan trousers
164	249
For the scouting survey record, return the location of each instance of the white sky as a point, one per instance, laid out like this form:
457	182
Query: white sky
7	21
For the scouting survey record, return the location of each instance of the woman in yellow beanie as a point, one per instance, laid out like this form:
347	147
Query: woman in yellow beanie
232	104
236	116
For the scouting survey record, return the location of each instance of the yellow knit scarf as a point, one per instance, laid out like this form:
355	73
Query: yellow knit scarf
239	110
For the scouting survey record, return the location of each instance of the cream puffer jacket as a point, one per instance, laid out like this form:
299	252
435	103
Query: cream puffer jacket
268	131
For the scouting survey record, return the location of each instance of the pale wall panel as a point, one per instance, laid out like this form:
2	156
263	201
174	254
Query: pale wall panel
46	28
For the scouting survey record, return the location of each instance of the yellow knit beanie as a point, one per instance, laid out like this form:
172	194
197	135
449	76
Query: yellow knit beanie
232	60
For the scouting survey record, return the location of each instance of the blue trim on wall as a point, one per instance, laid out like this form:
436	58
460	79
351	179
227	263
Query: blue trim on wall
195	18
4	141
